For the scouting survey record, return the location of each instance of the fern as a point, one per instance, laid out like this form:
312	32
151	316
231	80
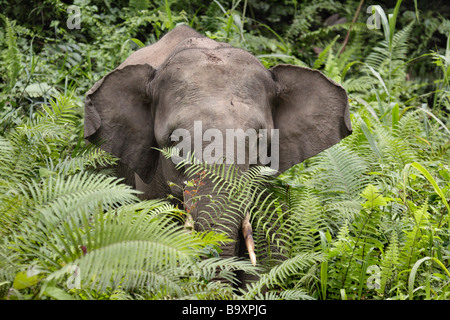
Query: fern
340	179
66	218
323	55
343	172
13	56
412	246
130	246
389	263
135	250
233	189
360	84
305	16
279	276
299	228
390	59
365	230
395	150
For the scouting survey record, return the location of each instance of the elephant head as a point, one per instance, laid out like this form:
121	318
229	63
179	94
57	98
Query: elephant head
188	82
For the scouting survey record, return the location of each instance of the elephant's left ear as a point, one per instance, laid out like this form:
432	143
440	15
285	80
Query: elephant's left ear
118	117
311	112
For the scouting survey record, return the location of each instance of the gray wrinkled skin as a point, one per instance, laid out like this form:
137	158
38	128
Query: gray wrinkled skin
186	77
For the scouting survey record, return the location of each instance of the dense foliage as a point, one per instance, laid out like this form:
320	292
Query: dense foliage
366	219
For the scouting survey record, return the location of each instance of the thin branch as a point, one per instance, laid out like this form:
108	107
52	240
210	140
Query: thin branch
347	36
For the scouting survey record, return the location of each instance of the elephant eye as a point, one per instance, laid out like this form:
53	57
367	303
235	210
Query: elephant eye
171	141
173	138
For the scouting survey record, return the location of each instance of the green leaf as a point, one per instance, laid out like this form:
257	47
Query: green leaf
25	280
429	177
343	294
395	116
44	172
35	90
324	265
138	42
139	4
374	197
412	275
170	23
378	76
57	294
436	118
347	67
370	138
392	22
417	10
323	55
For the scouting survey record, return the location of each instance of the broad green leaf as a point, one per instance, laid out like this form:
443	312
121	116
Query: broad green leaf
395	116
25	280
374	197
57	294
35	90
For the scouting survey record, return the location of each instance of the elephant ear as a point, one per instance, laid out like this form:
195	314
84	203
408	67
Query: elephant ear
311	112
118	117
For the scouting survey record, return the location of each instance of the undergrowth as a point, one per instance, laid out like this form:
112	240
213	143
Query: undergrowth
365	219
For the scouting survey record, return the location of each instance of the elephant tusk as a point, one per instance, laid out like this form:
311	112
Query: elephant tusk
247	231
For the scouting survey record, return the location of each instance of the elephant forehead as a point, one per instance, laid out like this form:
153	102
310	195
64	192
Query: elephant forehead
211	53
222	59
197	73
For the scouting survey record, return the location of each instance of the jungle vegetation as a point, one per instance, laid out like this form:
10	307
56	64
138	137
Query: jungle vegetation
366	219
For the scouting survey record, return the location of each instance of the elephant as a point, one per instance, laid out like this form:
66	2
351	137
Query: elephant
186	79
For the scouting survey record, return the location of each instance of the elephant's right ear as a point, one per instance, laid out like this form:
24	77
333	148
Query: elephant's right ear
118	117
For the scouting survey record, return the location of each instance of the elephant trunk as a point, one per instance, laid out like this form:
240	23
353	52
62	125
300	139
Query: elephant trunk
247	232
210	210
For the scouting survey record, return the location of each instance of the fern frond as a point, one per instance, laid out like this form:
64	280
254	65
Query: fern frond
389	263
13	56
343	172
60	206
359	84
213	290
220	268
395	150
132	247
280	274
61	111
299	227
412	244
391	61
288	294
7	159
